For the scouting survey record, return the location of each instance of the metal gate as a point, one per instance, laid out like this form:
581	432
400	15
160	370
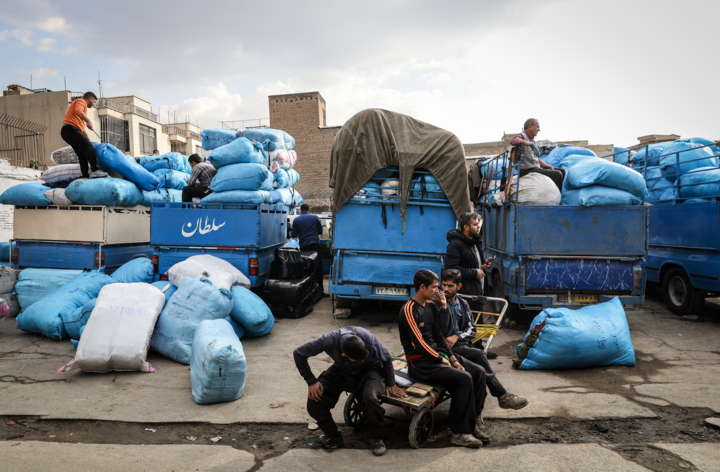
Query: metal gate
22	141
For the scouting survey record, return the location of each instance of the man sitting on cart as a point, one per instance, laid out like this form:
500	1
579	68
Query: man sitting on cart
459	329
362	365
431	361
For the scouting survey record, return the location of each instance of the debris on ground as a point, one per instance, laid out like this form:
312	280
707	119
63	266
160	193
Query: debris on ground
151	430
216	439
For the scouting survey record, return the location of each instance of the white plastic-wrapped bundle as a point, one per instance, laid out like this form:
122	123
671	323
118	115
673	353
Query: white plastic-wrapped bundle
220	272
64	155
117	335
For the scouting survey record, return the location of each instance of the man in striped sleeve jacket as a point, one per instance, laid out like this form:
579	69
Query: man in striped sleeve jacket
431	361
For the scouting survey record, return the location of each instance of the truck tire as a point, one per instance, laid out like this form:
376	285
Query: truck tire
679	295
343	302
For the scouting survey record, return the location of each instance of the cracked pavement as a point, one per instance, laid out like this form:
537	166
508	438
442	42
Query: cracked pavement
678	367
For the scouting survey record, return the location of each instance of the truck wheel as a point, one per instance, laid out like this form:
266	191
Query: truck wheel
343	302
679	295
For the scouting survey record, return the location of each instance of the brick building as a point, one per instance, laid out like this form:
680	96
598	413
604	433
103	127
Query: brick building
303	116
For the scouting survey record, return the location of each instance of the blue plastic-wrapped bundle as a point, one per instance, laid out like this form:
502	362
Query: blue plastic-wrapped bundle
652	152
291	243
702	141
597	195
556	156
271	139
214	138
294	177
700	183
621	155
35	284
240	151
237	327
242	177
493	169
251	311
171	160
574	159
427	187
108	191
30	194
194	301
218	366
592	336
6	251
286	196
173	179
679	158
370	190
161	195
239	196
605	173
170	288
656	182
44	317
75	320
111	159
138	270
281	178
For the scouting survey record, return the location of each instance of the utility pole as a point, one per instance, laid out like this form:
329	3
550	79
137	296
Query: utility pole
99	85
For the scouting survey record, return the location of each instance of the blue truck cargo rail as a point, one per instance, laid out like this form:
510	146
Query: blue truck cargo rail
563	256
376	252
684	238
245	235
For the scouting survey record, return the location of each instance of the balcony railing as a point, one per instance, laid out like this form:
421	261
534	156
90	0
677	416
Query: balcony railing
123	108
169	129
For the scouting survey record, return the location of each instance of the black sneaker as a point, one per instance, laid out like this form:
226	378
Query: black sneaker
328	442
491	355
378	447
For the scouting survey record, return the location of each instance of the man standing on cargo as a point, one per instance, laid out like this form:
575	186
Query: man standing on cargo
361	366
198	185
308	229
73	132
530	161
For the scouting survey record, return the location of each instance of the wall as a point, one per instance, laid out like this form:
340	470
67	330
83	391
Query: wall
303	116
9	177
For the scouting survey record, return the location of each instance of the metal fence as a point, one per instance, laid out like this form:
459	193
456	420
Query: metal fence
169	129
255	123
123	108
22	141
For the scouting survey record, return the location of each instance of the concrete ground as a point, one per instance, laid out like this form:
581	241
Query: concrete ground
678	368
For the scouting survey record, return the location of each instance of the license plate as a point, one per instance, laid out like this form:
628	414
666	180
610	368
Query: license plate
393	291
579	298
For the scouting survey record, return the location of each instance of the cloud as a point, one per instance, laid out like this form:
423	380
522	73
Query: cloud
214	105
54	24
46	44
24	37
44	72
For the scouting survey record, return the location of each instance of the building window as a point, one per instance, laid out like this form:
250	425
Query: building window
177	146
198	149
115	131
148	142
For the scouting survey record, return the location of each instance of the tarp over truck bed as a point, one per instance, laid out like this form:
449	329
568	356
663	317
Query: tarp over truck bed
375	139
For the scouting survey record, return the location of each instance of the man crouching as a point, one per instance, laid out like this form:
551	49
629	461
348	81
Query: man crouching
362	366
431	361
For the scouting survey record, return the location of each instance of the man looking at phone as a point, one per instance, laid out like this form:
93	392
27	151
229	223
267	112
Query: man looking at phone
361	366
459	330
431	361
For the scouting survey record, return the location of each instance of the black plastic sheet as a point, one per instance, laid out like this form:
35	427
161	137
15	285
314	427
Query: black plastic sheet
288	292
288	264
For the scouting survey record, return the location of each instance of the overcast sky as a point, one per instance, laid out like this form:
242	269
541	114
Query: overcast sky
605	71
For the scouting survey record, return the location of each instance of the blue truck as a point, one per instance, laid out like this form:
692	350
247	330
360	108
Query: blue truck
79	236
245	235
563	255
684	242
376	252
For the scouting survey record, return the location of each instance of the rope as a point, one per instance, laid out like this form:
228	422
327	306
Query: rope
485	331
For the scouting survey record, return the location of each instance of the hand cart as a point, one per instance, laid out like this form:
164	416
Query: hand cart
419	410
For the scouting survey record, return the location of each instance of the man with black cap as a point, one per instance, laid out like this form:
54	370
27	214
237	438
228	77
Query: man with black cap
361	366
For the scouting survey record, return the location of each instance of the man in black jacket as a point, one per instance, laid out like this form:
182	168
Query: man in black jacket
458	326
431	361
463	253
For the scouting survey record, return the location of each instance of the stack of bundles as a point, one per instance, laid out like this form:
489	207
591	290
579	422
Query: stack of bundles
218	365
45	316
621	155
651	153
560	338
290	291
278	145
567	156
194	301
117	335
242	174
594	182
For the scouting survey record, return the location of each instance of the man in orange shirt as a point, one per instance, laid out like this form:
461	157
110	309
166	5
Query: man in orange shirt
73	132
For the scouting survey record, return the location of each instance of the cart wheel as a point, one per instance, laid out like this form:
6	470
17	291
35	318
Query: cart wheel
421	428
354	413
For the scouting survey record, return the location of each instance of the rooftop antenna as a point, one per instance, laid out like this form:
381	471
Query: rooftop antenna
100	85
65	80
31	82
